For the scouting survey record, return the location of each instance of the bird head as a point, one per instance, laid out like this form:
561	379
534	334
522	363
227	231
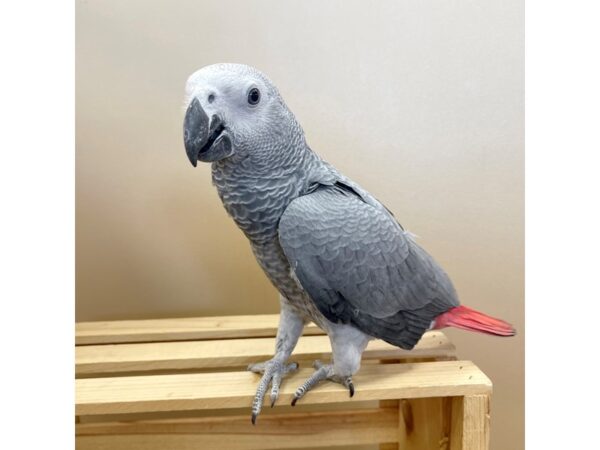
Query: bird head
234	112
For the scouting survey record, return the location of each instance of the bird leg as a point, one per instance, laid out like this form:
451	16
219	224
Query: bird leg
273	370
322	372
347	345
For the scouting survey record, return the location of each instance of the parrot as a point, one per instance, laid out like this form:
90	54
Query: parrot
337	256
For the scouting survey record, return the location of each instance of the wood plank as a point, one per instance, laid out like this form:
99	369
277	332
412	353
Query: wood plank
97	359
188	328
117	395
470	423
390	404
274	431
424	423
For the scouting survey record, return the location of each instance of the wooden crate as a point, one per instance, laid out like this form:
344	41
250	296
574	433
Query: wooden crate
179	384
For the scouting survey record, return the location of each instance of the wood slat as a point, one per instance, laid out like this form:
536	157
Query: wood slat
189	328
275	431
424	423
236	389
96	359
470	423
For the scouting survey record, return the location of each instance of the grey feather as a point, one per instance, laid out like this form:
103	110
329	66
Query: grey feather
360	268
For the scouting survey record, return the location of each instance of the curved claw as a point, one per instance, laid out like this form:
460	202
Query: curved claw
322	372
318	375
273	372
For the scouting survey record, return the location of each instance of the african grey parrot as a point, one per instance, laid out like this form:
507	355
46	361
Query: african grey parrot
336	255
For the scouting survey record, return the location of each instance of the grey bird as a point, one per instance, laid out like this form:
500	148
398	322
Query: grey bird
337	256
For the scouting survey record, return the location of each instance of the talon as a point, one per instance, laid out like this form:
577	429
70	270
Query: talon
323	372
272	373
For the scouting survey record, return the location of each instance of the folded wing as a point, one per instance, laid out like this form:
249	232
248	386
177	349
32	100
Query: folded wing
360	267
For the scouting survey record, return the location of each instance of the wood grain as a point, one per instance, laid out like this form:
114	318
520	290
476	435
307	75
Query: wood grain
390	445
236	389
188	328
470	423
274	431
97	359
424	423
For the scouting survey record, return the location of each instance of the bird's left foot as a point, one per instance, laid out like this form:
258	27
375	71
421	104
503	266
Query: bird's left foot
322	372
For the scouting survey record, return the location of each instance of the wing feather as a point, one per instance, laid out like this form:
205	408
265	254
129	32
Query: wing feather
360	267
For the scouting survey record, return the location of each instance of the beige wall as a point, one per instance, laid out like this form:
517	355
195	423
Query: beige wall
419	101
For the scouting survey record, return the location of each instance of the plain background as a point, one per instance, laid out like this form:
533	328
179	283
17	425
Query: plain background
420	102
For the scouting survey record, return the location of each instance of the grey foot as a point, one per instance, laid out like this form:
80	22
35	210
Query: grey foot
322	372
272	373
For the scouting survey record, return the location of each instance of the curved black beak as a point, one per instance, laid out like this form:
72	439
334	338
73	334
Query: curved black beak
204	139
195	131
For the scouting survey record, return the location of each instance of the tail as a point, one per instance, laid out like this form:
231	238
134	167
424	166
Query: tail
469	319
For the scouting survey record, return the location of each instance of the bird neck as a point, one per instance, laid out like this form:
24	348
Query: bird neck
256	194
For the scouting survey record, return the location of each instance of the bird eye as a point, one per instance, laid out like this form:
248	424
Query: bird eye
253	96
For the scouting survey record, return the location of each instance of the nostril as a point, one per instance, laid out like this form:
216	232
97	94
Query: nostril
211	98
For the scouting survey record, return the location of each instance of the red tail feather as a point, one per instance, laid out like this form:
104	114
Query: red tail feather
469	319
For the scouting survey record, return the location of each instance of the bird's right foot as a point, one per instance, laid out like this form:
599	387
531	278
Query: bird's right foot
272	373
323	372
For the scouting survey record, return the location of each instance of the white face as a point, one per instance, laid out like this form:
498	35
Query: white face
233	109
246	103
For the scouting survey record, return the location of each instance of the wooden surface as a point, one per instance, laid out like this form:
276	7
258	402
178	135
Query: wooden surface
96	359
440	405
236	389
322	429
189	328
470	423
424	423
